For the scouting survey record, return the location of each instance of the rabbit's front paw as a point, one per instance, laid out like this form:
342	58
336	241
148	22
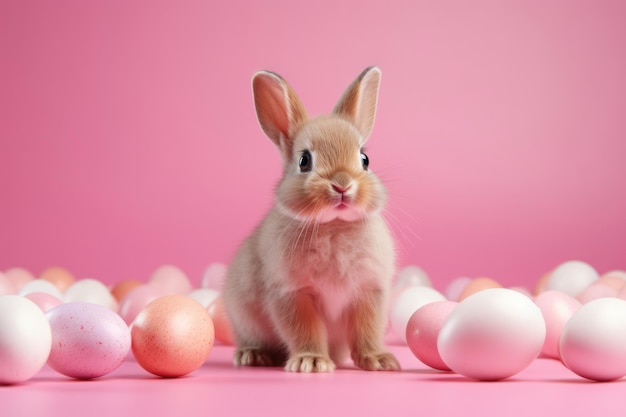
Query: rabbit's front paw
309	362
252	357
384	361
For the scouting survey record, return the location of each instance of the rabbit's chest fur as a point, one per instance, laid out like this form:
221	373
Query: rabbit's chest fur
335	262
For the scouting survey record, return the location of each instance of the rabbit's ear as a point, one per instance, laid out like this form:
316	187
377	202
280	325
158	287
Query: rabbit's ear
278	108
358	103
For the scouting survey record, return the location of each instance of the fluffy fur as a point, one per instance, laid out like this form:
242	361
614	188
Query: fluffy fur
311	283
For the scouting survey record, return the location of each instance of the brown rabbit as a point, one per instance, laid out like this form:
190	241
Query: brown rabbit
313	279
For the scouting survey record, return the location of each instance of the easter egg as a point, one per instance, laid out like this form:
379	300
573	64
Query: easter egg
40	285
492	334
19	277
88	340
221	322
557	308
571	277
593	342
6	286
171	279
122	288
455	288
204	296
412	275
90	291
44	300
423	330
60	277
25	339
214	276
407	302
476	285
172	336
136	299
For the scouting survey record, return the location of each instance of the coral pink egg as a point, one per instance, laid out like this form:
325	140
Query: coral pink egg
492	334
136	299
44	300
6	286
60	277
88	340
557	308
593	342
476	285
172	336
221	322
423	330
171	279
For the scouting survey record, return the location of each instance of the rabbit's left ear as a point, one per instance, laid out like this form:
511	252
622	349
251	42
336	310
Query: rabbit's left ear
358	102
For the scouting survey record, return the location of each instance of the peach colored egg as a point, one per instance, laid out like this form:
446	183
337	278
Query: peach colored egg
541	284
44	300
476	285
60	277
19	277
171	279
172	336
423	329
122	288
613	280
221	322
557	308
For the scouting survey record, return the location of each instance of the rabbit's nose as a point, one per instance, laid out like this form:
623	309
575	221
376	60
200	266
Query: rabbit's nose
341	189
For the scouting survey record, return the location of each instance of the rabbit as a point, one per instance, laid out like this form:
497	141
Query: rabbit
311	283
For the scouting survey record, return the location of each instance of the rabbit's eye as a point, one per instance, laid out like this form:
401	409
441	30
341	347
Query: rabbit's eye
365	161
306	161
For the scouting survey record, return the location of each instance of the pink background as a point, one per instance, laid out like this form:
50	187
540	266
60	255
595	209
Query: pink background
128	137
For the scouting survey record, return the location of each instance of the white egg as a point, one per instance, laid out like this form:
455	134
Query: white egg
411	276
204	296
214	276
492	334
25	339
407	303
593	342
41	285
572	277
90	291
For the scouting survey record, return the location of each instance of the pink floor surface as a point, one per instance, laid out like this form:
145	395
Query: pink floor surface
218	389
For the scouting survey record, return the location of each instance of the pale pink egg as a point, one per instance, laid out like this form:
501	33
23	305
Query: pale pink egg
19	277
90	290
6	286
557	308
172	336
25	339
492	334
613	279
214	276
571	277
40	285
136	299
44	300
171	279
204	296
406	303
88	340
593	342
60	277
476	285
423	330
412	276
221	322
455	288
595	291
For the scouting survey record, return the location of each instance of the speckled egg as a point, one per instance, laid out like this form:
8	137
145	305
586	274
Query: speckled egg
172	336
88	340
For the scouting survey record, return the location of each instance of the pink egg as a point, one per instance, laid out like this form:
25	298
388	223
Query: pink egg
221	322
492	334
136	299
40	285
171	279
571	277
595	291
172	336
19	277
613	279
88	340
214	276
455	288
44	300
6	286
423	330
407	303
593	342
25	339
557	308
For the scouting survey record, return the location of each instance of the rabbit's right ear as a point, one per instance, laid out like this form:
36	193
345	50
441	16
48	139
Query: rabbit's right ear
278	109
